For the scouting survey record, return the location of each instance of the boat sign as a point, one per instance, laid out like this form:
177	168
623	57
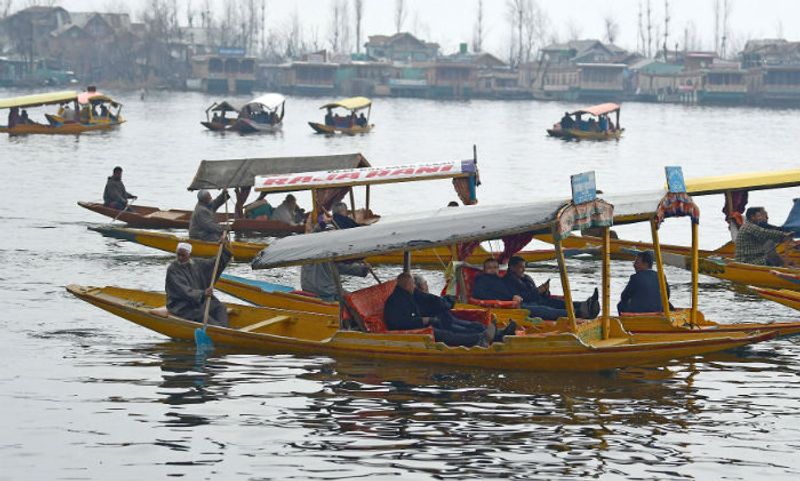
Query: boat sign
363	176
675	182
584	188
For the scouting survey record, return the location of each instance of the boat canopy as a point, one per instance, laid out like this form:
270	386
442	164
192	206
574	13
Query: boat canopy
39	99
217	174
365	176
353	103
442	227
269	101
598	110
87	97
223	106
745	181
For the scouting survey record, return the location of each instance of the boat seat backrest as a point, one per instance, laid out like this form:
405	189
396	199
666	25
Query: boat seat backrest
368	304
470	274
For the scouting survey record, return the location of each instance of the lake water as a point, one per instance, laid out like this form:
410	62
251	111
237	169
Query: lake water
87	395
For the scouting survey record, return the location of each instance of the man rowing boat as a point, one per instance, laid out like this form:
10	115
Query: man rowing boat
115	195
203	224
189	284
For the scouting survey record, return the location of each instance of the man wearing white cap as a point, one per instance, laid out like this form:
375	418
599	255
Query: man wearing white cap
189	283
203	224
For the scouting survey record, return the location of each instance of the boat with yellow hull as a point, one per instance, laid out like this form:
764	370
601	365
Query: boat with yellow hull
781	296
348	124
246	251
330	129
590	130
259	329
679	322
83	117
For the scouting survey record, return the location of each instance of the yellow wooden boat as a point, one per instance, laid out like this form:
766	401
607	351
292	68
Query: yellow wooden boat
246	251
83	116
782	296
347	125
259	329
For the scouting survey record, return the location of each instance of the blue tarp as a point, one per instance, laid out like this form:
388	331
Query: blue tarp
263	285
793	221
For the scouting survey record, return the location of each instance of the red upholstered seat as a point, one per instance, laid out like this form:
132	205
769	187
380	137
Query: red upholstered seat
470	273
368	303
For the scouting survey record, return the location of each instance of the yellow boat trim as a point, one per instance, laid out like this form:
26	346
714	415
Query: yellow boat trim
39	99
744	181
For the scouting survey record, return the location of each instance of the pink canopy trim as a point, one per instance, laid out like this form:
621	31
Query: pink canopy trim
85	97
598	109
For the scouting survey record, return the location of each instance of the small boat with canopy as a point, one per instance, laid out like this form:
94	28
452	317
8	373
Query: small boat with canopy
354	122
78	113
216	116
589	123
262	114
359	330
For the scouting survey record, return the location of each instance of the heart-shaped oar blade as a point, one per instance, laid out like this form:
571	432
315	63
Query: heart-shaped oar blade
202	340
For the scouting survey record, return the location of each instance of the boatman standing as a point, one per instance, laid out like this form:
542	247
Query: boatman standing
189	284
203	224
115	195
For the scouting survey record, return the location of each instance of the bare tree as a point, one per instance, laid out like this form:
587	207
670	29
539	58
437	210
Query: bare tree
666	27
478	30
574	31
640	39
727	6
611	28
529	27
717	11
5	7
336	23
691	40
358	11
779	29
189	13
649	30
400	14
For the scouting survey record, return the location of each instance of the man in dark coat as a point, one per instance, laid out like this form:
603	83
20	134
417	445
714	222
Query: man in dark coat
642	293
340	217
189	284
115	195
203	224
402	312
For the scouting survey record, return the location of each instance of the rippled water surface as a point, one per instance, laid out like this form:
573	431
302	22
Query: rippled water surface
87	395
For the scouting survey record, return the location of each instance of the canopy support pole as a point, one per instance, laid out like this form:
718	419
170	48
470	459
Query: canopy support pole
562	270
732	227
367	203
662	280
606	281
352	202
406	261
337	280
695	274
314	209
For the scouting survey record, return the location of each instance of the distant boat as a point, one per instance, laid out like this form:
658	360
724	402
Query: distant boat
350	124
598	127
91	110
262	114
219	121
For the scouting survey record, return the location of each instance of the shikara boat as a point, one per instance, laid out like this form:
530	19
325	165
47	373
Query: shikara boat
598	127
219	122
349	124
147	217
79	113
573	345
262	114
259	329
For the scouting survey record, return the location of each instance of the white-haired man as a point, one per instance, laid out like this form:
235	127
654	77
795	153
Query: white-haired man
188	284
203	224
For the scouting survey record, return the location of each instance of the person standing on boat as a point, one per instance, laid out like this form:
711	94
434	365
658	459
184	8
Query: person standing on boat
537	299
567	122
401	312
203	225
329	118
115	195
757	239
188	284
642	294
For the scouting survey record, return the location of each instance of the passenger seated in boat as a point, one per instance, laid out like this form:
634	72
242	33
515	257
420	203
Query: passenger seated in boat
203	223
189	285
23	118
216	119
537	299
329	118
286	211
603	123
591	125
401	312
103	110
566	121
642	293
318	278
757	239
259	209
362	120
340	218
115	195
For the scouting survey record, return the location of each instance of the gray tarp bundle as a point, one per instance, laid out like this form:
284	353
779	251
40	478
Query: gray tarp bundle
218	174
440	227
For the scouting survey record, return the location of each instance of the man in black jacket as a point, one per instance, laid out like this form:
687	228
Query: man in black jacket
642	294
115	195
402	312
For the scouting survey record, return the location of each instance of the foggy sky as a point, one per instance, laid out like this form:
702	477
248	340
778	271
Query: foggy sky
449	22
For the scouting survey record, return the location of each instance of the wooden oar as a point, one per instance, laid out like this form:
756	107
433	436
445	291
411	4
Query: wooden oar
122	210
201	338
